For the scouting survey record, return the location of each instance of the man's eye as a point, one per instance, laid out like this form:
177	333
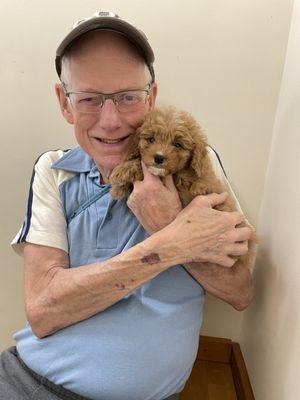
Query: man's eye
89	100
128	98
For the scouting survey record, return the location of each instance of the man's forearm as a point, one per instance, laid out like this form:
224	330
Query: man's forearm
233	285
74	294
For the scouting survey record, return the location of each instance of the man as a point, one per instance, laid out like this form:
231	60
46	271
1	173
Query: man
114	290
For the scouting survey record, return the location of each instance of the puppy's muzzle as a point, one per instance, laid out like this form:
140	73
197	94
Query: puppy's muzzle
159	159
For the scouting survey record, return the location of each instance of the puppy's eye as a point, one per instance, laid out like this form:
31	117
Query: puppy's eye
150	139
178	145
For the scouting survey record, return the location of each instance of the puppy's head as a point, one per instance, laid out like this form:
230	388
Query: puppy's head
169	140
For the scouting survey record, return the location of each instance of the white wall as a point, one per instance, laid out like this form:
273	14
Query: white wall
222	60
271	328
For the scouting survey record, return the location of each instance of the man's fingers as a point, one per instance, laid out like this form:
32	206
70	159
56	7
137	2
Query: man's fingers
226	261
239	249
216	199
237	217
242	234
212	200
169	182
147	175
145	169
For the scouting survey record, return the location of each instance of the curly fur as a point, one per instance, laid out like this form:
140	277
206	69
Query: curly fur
171	142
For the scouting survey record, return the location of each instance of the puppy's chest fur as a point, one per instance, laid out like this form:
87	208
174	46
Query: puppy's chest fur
189	185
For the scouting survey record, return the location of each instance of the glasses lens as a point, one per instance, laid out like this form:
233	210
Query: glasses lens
86	102
131	100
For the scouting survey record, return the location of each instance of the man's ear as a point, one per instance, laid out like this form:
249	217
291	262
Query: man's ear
153	95
64	104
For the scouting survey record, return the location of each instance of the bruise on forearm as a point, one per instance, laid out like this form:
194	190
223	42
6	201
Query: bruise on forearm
152	258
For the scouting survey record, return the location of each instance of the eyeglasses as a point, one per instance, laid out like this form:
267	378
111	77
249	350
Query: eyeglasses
92	102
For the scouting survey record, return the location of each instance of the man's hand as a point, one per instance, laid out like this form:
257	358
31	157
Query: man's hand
154	202
204	234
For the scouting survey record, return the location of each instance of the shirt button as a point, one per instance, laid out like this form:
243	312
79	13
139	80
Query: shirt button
108	216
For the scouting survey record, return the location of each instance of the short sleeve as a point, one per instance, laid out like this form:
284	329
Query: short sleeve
45	222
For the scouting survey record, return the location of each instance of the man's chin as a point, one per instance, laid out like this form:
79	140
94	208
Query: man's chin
106	164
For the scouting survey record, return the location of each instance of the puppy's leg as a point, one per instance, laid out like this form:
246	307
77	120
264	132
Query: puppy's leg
123	176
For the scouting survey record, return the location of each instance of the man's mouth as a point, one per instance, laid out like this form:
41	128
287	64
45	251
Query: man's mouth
112	141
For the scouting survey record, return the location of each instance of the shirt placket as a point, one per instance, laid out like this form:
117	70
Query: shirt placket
107	215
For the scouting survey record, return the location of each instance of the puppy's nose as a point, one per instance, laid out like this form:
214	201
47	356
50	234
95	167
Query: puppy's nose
159	159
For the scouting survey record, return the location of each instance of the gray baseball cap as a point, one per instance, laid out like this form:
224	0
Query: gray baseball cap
107	21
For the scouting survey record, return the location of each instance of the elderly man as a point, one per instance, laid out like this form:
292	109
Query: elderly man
114	290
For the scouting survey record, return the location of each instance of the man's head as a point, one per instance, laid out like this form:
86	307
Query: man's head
105	61
103	20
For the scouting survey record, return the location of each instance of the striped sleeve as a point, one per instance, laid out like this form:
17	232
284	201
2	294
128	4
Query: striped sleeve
221	174
45	222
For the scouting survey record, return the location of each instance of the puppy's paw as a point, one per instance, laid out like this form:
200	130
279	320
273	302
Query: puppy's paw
126	172
123	176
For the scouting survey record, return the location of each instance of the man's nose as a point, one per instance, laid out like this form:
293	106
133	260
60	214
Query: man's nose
109	118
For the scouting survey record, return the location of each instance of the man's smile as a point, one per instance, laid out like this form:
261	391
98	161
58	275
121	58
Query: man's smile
111	141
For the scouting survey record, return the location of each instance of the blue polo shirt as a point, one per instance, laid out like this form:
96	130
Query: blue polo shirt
141	348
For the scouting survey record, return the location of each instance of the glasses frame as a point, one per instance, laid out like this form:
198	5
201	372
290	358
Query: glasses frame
105	96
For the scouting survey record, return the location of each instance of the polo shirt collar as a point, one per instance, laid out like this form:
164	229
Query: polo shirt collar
75	160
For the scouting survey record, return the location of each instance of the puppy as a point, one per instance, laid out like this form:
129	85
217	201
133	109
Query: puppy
171	142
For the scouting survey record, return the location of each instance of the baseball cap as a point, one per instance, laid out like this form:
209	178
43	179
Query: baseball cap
107	20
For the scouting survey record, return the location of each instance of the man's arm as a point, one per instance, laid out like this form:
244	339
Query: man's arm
233	285
57	296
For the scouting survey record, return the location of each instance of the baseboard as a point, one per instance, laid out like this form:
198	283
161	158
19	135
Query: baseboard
225	351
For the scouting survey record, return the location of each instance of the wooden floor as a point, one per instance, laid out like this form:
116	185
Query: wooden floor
210	381
219	372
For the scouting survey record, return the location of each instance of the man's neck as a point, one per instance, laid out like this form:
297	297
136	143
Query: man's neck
104	175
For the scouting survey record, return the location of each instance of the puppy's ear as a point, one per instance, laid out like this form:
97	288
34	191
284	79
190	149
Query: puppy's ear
134	148
133	151
198	157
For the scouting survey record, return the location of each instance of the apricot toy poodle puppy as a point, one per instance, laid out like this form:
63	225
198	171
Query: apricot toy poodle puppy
171	142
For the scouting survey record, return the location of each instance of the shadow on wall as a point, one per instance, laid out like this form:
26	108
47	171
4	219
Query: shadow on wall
269	327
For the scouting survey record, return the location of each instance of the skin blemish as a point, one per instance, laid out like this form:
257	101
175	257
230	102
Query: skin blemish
152	258
120	286
188	221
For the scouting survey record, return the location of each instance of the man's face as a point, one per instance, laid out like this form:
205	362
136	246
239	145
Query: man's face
106	65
